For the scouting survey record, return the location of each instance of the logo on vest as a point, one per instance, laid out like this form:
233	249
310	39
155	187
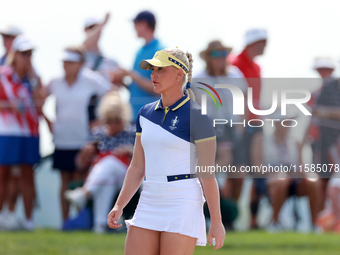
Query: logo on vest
174	122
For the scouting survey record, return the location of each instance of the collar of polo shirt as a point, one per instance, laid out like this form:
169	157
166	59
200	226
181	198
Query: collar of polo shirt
163	59
175	106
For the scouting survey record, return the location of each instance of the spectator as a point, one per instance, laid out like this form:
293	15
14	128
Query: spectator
108	153
255	41
13	186
19	126
282	149
141	89
8	35
95	59
229	149
71	128
325	67
327	112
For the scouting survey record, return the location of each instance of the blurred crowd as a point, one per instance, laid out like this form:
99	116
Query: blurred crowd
94	131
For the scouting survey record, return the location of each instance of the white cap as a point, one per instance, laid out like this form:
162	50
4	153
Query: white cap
10	30
255	35
71	56
21	43
90	21
324	62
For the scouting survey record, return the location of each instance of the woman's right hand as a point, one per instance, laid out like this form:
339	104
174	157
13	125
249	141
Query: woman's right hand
113	217
216	231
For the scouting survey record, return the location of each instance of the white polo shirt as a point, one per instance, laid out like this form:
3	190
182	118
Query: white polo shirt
71	128
169	136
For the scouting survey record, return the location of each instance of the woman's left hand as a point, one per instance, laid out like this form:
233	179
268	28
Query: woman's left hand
216	231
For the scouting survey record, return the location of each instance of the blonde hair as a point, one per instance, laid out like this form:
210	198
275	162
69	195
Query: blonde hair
187	59
111	106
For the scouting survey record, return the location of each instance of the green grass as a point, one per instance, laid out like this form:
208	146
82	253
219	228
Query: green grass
50	242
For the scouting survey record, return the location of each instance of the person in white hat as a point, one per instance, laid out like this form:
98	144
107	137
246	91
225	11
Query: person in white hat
325	66
19	122
94	57
327	111
93	27
8	34
281	148
73	91
255	44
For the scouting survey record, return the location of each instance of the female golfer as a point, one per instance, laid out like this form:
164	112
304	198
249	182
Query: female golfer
171	137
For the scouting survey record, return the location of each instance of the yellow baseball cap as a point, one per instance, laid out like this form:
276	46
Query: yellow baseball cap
163	59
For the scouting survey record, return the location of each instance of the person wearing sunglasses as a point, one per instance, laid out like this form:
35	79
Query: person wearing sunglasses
229	139
19	122
8	34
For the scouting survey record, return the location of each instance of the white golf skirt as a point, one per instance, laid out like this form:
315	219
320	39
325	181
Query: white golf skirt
175	207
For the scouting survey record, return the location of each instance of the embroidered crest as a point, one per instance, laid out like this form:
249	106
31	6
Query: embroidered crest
174	122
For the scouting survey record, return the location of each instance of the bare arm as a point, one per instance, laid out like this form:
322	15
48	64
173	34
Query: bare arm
133	179
92	38
328	112
85	156
38	95
299	146
206	157
144	83
44	94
